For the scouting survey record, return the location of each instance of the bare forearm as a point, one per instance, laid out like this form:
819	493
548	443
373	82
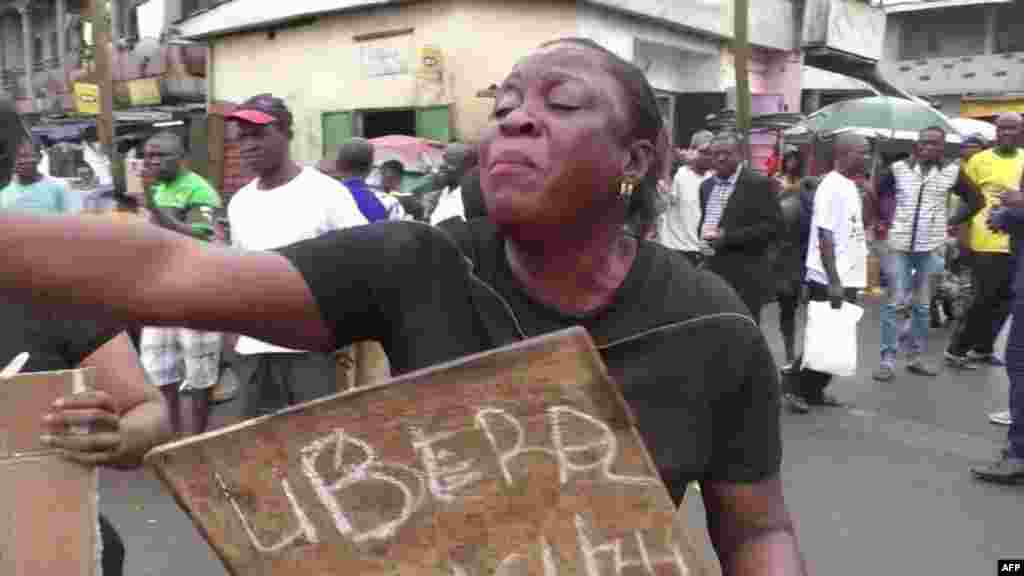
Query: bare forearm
165	219
142	428
828	257
92	264
774	553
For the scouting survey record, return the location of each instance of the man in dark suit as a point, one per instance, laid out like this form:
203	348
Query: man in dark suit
740	219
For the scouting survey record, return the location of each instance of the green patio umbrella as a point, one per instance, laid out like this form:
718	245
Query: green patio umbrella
881	116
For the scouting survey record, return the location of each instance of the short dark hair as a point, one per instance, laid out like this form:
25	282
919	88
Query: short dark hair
938	129
356	156
174	140
644	122
394	166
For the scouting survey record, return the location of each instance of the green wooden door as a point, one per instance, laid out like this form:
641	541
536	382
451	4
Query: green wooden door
434	123
337	128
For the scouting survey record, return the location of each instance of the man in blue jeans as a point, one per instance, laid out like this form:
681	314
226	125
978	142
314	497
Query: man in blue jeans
912	201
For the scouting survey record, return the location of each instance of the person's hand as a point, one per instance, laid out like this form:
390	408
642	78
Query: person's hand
1012	198
712	233
85	428
835	296
881	231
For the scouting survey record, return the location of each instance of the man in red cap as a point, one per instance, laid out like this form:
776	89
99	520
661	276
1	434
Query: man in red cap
286	203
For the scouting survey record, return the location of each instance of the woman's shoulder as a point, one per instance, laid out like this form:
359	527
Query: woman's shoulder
677	291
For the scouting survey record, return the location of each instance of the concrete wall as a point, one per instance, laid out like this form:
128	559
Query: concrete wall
985	74
486	38
674	60
949	32
318	68
772	22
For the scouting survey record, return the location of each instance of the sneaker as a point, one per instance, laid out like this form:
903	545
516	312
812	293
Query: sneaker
795	404
958	362
1006	470
921	369
884	373
1000	418
980	358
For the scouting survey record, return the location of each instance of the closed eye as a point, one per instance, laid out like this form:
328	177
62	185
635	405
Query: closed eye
563	107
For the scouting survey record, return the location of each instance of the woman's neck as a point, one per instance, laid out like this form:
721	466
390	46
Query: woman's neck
574	275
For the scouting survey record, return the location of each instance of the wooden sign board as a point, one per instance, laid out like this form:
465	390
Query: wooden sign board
522	460
48	505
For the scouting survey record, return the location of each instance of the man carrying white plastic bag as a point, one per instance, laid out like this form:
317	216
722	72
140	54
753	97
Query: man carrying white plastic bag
830	338
836	271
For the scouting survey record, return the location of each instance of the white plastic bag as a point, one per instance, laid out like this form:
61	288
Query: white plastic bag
830	338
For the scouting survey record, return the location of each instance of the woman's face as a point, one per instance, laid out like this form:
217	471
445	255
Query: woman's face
555	150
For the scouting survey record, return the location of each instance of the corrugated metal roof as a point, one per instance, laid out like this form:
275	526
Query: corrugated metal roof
241	15
899	6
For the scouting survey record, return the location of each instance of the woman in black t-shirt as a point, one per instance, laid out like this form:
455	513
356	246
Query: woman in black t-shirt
568	158
126	415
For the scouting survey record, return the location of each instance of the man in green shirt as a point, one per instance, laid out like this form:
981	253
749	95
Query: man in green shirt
184	363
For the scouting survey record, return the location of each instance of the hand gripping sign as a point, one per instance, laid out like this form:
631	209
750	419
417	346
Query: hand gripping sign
522	460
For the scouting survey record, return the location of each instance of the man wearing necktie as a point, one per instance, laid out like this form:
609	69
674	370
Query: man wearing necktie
913	199
739	224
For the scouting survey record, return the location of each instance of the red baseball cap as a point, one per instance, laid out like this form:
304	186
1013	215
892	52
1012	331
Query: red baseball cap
262	110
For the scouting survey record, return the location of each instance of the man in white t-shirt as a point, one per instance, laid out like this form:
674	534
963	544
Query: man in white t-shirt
458	160
837	252
677	227
286	203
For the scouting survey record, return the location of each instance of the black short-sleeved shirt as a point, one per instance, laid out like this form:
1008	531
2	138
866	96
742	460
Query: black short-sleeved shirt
692	364
53	343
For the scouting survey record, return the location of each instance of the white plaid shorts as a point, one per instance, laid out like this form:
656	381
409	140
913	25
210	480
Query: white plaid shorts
180	355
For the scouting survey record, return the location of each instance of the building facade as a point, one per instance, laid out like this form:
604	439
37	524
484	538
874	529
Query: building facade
46	47
425	68
965	56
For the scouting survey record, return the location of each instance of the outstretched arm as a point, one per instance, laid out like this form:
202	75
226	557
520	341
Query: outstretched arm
134	273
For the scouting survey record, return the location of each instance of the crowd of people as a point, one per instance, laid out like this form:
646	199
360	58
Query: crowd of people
542	206
550	209
926	217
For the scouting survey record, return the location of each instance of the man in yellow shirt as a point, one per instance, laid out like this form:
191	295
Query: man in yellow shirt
988	174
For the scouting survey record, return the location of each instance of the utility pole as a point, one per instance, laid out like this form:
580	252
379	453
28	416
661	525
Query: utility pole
104	79
741	59
102	52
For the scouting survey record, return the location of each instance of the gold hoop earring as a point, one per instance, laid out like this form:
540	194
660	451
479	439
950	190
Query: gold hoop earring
626	188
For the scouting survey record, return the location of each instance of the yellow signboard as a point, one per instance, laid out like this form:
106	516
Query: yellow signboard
984	108
144	92
430	61
87	98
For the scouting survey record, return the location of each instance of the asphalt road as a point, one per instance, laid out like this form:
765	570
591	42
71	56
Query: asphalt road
882	487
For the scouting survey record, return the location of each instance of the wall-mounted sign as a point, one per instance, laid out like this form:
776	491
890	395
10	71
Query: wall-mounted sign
385	56
87	98
430	62
144	92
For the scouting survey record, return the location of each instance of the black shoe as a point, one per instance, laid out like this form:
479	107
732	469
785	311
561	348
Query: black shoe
1006	470
959	362
828	401
985	358
795	404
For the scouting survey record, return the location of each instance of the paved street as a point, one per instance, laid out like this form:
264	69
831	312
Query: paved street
881	488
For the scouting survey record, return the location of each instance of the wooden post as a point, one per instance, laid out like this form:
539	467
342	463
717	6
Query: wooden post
741	55
104	78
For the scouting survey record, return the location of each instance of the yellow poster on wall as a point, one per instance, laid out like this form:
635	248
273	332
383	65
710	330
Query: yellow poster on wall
87	98
430	63
144	92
